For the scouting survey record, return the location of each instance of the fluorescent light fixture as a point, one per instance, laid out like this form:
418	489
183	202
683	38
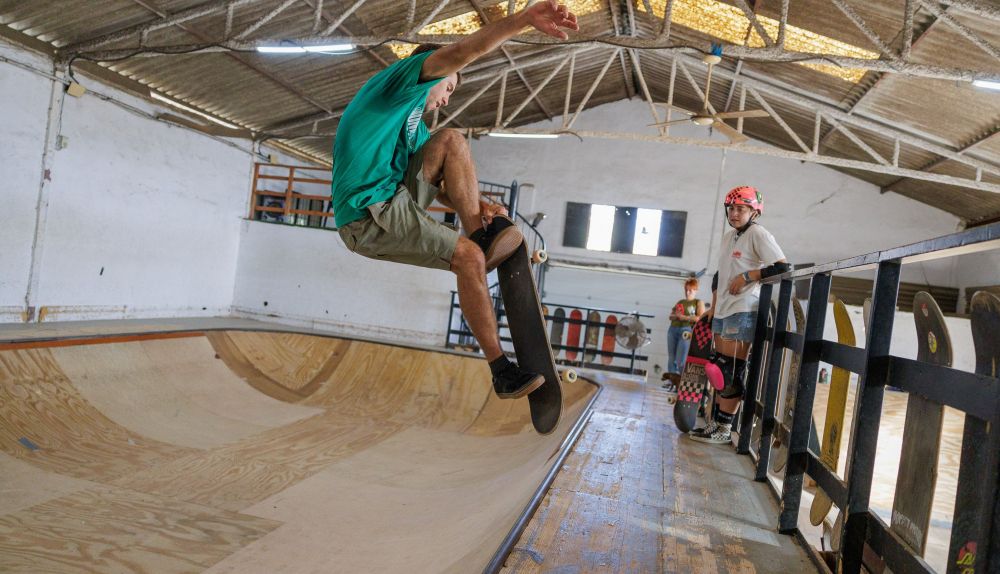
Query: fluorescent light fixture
156	96
988	84
328	48
526	136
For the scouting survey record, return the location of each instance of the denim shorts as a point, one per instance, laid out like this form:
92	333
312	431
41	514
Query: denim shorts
736	327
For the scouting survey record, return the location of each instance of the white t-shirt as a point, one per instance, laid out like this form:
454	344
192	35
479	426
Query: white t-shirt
754	249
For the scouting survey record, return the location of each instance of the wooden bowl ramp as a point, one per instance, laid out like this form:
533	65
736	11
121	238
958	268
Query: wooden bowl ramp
260	452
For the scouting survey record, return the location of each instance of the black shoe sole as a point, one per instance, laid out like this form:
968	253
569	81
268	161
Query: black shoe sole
532	385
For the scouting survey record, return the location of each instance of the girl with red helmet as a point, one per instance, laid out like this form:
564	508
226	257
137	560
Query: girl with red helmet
749	253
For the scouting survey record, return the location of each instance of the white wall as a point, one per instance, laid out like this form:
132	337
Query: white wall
308	277
817	214
143	217
23	117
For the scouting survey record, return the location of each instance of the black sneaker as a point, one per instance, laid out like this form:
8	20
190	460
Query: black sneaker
514	383
498	240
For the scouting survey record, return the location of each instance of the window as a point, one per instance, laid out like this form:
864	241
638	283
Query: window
617	229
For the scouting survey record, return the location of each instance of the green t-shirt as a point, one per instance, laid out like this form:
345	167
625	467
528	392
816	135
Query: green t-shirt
379	131
685	307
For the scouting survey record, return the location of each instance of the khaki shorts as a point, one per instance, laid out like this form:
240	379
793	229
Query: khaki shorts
400	230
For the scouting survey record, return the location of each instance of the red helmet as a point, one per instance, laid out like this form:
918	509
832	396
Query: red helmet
745	195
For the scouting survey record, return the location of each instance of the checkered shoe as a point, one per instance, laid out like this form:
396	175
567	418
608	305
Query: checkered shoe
705	430
721	435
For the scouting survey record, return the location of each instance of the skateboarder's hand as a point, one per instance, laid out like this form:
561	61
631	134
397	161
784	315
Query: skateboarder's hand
549	16
736	285
490	210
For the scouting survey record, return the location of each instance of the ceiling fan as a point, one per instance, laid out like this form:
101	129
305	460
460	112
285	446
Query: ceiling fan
706	118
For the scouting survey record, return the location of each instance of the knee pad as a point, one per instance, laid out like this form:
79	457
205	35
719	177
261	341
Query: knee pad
728	373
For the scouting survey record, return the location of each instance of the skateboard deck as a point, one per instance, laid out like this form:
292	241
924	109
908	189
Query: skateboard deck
694	382
592	338
918	463
573	335
608	346
531	345
836	407
976	467
558	321
779	456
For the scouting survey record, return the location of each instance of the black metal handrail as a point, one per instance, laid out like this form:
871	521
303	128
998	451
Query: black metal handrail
976	524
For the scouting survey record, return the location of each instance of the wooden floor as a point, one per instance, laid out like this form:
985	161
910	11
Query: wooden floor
637	496
283	452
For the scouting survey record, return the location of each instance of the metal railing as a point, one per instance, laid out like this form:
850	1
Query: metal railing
976	522
279	195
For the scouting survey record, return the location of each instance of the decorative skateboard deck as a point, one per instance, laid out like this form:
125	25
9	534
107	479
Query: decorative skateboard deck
608	346
531	345
976	465
779	456
836	406
573	335
558	321
911	507
593	332
694	382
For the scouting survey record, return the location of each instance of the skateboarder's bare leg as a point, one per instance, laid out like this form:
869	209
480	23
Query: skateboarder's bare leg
447	159
469	265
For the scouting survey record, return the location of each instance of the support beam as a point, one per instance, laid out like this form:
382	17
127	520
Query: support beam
534	93
340	19
752	16
771	152
781	122
265	19
985	9
988	136
164	21
860	24
503	49
470	101
962	29
593	87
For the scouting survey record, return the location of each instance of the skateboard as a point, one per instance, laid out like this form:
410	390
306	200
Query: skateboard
758	425
608	346
694	382
975	465
592	335
911	507
555	340
573	335
835	409
531	345
779	456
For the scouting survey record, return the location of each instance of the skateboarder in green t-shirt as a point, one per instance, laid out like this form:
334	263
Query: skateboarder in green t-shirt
388	168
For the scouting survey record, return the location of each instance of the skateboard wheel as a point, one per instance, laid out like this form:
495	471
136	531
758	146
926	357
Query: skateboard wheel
671	400
569	376
539	256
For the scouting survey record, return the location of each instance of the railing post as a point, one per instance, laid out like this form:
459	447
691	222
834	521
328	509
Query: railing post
773	381
868	415
801	424
753	376
288	193
253	194
512	200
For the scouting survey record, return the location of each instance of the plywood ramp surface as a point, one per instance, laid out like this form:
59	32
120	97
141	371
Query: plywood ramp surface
167	456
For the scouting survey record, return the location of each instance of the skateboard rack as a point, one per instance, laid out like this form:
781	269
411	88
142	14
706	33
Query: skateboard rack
975	536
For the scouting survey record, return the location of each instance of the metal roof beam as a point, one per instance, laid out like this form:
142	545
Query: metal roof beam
769	151
993	133
165	21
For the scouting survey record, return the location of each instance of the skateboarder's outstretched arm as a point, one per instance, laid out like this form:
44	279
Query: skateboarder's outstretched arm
547	16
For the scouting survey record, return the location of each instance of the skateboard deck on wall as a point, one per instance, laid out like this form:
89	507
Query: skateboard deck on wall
694	383
779	455
836	407
531	343
608	345
976	467
558	322
592	333
573	335
918	463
